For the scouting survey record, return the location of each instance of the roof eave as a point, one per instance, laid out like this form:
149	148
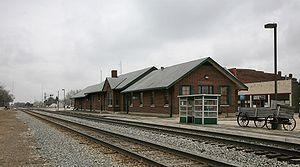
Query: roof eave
139	90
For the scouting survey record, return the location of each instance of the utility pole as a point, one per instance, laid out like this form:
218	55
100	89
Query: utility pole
42	94
58	100
64	98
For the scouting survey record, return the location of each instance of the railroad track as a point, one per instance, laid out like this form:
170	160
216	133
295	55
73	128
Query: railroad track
148	152
271	149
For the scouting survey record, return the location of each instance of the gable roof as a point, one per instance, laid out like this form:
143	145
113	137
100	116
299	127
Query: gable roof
90	89
94	88
167	77
125	80
80	94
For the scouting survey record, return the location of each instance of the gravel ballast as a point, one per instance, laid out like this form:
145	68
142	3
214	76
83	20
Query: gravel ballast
186	144
61	149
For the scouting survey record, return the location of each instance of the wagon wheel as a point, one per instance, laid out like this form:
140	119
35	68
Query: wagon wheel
242	120
260	123
290	125
270	120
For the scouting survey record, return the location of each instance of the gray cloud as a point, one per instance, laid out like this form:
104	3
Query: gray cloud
64	43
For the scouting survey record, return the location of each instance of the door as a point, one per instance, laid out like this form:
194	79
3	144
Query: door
127	103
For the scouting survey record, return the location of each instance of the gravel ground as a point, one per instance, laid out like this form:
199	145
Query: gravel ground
61	149
239	157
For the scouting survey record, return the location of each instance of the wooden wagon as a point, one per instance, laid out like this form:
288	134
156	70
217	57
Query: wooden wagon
268	117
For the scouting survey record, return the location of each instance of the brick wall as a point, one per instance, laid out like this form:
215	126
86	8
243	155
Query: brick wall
92	102
107	90
249	76
215	78
78	103
97	99
158	103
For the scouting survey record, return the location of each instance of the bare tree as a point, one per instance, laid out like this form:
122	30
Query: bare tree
5	97
68	100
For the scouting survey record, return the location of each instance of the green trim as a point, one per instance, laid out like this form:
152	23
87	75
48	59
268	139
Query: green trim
183	120
198	120
210	120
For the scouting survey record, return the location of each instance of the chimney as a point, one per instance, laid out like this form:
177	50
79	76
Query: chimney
114	73
234	71
290	76
279	73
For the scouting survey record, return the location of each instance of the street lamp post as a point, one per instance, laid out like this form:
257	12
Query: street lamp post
64	98
274	26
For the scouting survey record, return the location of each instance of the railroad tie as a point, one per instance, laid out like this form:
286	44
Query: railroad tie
248	151
239	148
295	161
259	152
284	158
221	145
273	155
231	147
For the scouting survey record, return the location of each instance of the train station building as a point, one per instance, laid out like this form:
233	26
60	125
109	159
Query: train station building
153	90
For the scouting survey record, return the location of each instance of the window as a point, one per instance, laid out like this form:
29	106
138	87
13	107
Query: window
141	99
152	99
186	90
206	89
110	99
224	90
166	98
117	100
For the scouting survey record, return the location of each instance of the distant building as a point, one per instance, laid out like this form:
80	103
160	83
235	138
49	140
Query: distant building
261	92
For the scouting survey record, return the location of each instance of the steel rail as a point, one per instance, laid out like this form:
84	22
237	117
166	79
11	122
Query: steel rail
102	142
257	143
190	156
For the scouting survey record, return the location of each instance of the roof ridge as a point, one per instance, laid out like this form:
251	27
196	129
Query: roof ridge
135	71
187	62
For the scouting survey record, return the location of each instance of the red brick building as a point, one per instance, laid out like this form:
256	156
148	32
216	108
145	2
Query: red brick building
261	88
153	90
114	99
250	76
157	92
90	98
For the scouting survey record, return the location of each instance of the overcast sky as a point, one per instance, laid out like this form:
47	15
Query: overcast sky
55	44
